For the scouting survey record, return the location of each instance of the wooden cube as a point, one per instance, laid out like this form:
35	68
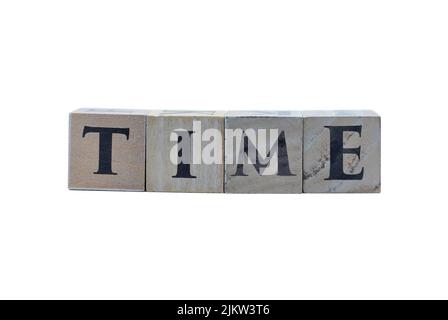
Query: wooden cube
263	152
107	149
185	151
342	151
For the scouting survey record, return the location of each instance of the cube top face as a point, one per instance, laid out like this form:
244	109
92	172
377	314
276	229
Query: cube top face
193	113
340	113
185	152
262	114
342	152
114	111
263	153
107	150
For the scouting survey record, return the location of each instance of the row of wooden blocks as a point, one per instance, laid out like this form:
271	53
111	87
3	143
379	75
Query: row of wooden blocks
232	152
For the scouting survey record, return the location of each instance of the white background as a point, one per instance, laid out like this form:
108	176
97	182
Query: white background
390	56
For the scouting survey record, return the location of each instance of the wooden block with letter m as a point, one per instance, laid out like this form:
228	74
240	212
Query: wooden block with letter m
263	152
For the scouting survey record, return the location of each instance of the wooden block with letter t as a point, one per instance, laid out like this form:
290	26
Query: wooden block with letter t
263	152
107	149
185	151
341	151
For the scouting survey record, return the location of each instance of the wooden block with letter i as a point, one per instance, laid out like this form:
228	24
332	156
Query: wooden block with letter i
107	149
341	151
185	152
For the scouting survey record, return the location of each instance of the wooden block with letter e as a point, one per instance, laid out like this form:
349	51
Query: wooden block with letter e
107	149
185	151
341	151
263	152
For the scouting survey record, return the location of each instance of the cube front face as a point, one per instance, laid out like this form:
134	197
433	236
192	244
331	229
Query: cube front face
341	152
263	152
185	152
107	150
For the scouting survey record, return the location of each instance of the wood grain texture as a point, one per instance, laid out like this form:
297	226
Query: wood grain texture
316	154
128	155
288	122
160	170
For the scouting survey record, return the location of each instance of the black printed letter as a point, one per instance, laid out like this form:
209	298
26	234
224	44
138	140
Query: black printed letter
337	152
105	150
183	169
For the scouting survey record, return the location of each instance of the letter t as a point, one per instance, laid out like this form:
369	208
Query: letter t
105	148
